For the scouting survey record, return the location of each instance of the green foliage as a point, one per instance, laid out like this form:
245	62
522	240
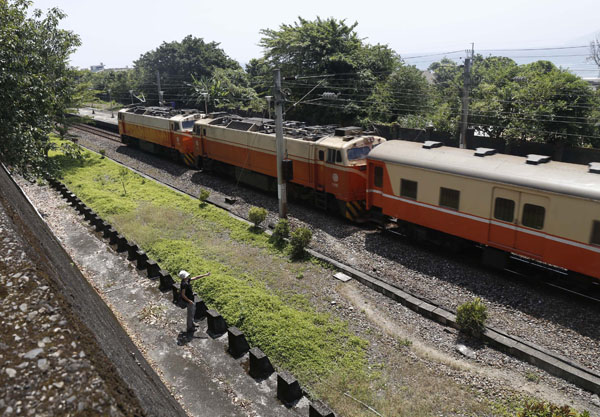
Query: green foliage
257	215
228	89
389	97
310	345
167	225
545	409
179	63
533	102
36	84
299	240
471	316
109	86
204	194
330	47
102	152
280	233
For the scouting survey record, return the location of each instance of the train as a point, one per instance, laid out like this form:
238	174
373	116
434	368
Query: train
542	210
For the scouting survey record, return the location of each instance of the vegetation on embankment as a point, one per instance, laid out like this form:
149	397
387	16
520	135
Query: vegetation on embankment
256	288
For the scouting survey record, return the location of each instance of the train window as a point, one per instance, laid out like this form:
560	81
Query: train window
331	156
378	177
533	216
449	198
504	209
358	153
204	132
408	189
596	233
338	156
321	155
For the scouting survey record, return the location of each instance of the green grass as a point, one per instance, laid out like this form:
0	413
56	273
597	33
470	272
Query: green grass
256	288
180	234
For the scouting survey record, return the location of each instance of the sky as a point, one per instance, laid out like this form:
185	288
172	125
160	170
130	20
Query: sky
116	33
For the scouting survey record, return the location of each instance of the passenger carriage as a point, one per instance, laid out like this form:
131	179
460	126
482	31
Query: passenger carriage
544	210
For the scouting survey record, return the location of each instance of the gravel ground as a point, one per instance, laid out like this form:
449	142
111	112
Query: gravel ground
47	367
554	322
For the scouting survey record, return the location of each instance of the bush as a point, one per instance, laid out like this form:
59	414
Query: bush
204	194
280	233
471	316
102	152
257	215
544	409
299	241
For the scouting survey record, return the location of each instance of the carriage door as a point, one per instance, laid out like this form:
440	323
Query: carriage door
320	168
503	223
533	210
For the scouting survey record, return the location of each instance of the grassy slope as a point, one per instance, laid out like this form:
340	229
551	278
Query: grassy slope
254	287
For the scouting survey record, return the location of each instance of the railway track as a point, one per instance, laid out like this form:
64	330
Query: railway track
98	132
538	274
529	349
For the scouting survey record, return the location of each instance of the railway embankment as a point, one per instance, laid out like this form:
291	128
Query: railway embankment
337	302
62	349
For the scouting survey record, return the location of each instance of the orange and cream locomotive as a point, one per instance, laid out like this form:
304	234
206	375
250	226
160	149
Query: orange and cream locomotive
531	207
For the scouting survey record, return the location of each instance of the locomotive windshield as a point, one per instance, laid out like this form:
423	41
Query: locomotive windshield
188	124
358	153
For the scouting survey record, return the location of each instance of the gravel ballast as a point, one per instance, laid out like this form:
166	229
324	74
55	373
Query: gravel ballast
558	324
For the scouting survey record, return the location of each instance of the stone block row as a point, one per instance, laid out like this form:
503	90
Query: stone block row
260	367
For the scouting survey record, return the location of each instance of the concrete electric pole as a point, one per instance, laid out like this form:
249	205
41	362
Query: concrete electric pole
160	92
465	99
281	184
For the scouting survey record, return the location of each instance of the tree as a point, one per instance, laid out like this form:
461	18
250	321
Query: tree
402	97
178	63
35	83
534	102
554	106
228	89
330	48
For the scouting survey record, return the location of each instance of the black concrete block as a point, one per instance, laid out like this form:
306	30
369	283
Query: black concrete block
201	309
132	251
80	207
75	202
141	259
166	281
113	238
97	222
71	197
122	244
175	292
237	342
108	232
260	365
216	323
318	409
288	388
152	268
89	214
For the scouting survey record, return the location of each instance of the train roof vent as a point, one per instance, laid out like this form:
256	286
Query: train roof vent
348	131
594	167
241	125
484	152
430	144
533	159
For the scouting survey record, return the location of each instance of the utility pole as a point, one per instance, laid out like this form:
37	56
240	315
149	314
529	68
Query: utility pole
269	98
465	98
112	108
281	185
160	92
205	95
